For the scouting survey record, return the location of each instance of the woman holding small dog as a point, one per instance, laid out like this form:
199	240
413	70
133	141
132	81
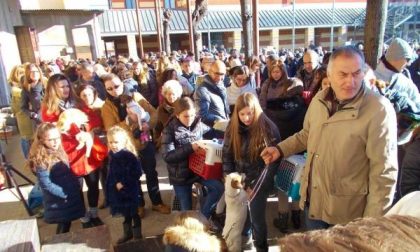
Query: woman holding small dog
117	111
178	143
59	106
249	131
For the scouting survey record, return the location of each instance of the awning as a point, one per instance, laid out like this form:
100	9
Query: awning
123	21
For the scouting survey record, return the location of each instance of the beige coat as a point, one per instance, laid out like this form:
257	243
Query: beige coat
110	117
352	157
25	124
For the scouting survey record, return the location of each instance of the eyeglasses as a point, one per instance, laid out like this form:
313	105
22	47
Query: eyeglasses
239	79
115	87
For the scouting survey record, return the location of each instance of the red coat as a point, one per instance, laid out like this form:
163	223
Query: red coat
79	164
95	119
77	158
47	117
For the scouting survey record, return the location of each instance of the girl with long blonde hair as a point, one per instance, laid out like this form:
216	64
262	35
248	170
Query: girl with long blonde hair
122	186
60	187
249	131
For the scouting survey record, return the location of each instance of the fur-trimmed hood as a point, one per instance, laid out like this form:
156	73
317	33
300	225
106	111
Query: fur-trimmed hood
190	240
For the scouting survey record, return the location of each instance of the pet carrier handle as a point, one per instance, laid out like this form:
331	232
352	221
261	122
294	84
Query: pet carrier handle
213	153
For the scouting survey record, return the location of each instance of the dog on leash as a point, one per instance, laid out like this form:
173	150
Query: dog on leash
236	211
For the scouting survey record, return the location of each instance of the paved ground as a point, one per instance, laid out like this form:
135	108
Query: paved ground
153	224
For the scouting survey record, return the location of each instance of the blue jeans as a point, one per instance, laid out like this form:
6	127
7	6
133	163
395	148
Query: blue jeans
312	224
25	145
214	192
184	195
148	164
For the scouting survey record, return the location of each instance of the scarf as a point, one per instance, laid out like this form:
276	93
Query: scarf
388	65
64	105
116	101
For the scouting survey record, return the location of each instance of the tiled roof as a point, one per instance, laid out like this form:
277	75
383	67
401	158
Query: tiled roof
120	22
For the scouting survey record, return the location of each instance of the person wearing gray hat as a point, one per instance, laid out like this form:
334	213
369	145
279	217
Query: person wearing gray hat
402	92
399	88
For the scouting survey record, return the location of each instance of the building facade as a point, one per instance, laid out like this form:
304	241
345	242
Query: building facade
222	25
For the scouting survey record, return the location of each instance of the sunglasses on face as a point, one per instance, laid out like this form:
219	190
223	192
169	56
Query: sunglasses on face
220	74
115	87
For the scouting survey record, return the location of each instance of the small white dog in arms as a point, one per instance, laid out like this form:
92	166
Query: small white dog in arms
236	211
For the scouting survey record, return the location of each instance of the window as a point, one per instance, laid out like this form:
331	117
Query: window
169	4
130	4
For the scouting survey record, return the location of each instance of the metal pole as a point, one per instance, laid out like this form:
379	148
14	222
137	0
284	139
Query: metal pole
141	52
256	35
158	25
294	25
415	21
332	27
190	29
255	27
208	33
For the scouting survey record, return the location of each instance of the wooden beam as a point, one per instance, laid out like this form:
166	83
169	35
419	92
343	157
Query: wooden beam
376	14
255	27
190	29
158	24
141	52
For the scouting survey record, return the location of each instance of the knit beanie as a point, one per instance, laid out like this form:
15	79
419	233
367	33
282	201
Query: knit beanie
399	49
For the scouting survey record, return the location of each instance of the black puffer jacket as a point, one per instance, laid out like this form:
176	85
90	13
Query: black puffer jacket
252	170
61	193
126	169
177	147
410	169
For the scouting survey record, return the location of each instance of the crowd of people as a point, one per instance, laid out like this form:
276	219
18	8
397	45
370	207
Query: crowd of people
105	121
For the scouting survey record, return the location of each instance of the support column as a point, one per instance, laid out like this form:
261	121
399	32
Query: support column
4	90
405	30
309	35
274	38
237	40
200	44
342	35
132	46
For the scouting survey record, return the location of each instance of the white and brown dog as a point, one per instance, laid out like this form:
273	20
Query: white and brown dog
76	118
236	211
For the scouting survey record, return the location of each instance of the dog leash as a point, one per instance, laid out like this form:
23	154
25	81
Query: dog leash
257	186
255	191
260	180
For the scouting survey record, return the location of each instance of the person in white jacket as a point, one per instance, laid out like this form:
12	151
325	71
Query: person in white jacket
240	83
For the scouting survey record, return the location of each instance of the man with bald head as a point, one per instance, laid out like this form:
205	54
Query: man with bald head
210	96
310	74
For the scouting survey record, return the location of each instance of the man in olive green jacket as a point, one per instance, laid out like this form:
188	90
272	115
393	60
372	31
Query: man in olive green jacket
350	135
